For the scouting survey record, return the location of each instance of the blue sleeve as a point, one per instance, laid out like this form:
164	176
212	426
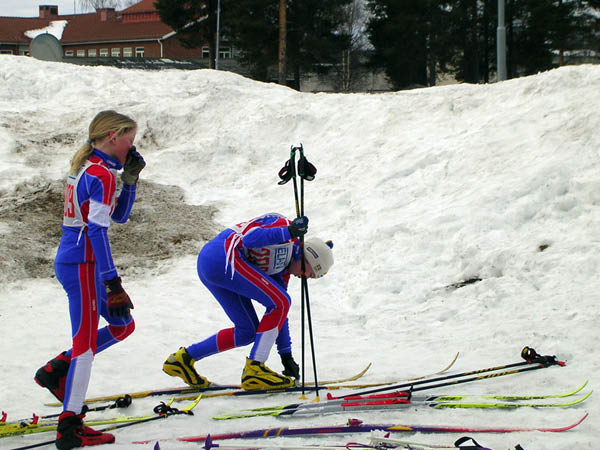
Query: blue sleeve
99	239
262	237
99	190
124	204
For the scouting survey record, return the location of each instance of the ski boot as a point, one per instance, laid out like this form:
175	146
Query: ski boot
180	364
53	376
72	433
258	376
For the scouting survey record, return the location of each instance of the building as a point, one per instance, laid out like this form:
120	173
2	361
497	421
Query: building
135	32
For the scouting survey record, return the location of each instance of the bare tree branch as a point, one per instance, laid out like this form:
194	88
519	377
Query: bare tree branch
91	5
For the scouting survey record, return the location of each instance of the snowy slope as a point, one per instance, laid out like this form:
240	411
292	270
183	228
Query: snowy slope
418	190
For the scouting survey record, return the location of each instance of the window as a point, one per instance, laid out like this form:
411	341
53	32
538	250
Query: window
139	52
225	52
127	52
6	52
115	52
104	52
92	52
68	52
80	53
205	52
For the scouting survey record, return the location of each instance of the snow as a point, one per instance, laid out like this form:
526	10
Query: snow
419	190
55	28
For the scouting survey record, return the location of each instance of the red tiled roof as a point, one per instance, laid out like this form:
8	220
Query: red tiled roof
12	29
90	28
143	6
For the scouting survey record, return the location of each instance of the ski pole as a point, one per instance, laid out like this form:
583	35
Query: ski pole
307	172
528	353
287	173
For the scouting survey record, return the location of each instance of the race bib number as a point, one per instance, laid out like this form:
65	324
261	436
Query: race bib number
69	209
272	259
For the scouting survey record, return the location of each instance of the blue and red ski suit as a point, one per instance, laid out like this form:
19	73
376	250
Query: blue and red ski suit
246	262
84	261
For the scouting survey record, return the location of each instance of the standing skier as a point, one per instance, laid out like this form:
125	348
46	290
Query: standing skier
253	261
84	266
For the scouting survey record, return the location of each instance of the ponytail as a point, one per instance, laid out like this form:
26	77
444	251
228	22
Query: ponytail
80	157
100	127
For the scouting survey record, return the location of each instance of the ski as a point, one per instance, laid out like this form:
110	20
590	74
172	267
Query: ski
508	405
357	426
533	361
162	410
388	401
212	387
386	383
121	402
385	442
325	386
374	444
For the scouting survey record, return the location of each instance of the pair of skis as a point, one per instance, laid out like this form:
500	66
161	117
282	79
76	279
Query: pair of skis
205	390
357	426
163	410
402	399
235	390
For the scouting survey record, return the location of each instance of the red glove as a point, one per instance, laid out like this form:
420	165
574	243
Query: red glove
117	300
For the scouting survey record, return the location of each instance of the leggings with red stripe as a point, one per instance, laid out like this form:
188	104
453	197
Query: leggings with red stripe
87	302
235	296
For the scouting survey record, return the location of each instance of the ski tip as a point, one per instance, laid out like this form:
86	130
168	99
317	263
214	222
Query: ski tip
582	419
570	427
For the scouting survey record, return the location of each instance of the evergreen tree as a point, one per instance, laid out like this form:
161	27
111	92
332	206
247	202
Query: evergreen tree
194	20
314	39
409	39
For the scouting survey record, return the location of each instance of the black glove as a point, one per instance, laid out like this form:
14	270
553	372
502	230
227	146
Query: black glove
134	163
306	169
299	227
117	300
291	368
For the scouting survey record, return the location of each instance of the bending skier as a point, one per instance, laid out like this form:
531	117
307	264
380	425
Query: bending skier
84	266
253	261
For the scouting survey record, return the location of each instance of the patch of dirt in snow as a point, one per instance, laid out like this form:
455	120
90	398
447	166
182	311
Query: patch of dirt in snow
161	226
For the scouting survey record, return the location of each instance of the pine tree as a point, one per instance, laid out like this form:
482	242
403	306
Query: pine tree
194	20
410	40
314	40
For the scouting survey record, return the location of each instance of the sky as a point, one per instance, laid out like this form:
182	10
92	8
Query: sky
30	8
419	190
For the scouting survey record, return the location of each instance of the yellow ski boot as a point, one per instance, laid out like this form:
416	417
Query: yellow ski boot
258	376
180	364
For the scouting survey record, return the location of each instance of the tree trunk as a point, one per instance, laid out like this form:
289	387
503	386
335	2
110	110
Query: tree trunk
282	39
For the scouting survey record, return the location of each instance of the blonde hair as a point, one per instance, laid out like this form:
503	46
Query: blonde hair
100	127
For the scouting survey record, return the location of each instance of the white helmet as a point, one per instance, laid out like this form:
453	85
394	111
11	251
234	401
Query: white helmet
319	255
